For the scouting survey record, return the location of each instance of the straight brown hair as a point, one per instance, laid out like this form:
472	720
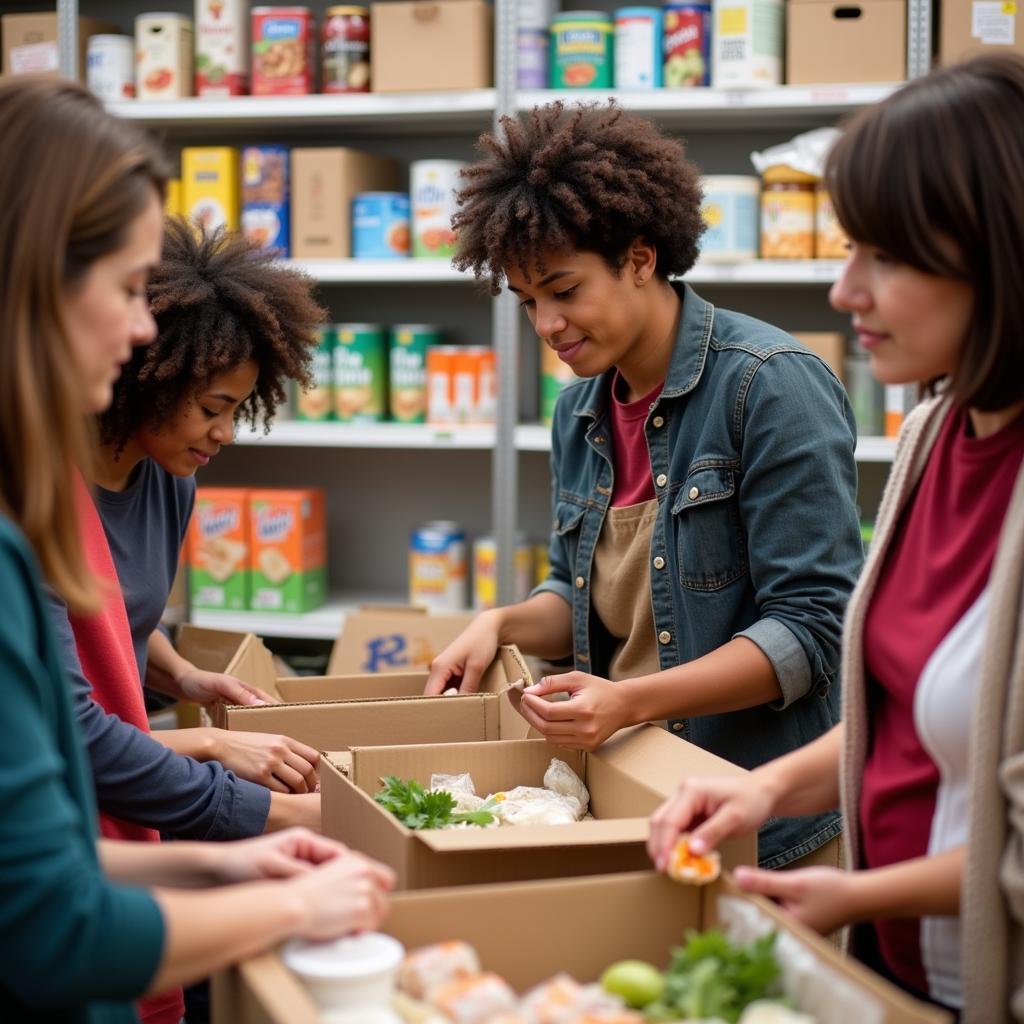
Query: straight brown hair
934	177
72	181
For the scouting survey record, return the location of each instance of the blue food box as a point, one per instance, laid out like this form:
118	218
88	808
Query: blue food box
266	197
380	226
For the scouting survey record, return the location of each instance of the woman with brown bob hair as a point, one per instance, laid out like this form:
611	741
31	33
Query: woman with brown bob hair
88	926
928	763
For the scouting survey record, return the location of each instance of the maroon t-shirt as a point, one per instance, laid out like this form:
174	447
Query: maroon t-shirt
630	457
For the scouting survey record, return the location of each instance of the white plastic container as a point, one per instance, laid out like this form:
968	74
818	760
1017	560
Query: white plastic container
747	41
731	211
110	67
351	979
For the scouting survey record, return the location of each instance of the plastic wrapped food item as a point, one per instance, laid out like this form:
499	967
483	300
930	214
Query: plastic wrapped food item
695	869
475	1000
560	778
530	805
562	999
766	1011
461	788
429	968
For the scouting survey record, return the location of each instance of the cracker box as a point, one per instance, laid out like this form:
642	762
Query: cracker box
219	549
289	552
265	197
210	180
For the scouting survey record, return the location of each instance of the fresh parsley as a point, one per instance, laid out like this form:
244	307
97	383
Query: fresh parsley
418	808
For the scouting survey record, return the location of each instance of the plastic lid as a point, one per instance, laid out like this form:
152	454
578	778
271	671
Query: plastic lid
355	956
783	174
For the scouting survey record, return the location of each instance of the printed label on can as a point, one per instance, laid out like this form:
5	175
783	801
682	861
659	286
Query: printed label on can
282	50
222	53
380	226
554	376
110	67
317	404
437	567
163	57
581	53
687	46
638	48
433	184
345	50
360	361
408	371
532	62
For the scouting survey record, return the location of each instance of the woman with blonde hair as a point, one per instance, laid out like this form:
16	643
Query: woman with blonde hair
88	926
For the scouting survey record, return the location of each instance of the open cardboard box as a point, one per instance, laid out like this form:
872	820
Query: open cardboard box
528	931
628	777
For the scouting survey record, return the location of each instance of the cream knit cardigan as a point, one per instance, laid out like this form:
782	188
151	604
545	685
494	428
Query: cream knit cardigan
992	894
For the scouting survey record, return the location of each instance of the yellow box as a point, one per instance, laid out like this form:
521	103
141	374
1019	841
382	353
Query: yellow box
211	186
172	204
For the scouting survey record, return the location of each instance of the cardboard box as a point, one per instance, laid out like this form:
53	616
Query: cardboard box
970	27
628	777
456	34
828	41
385	638
210	186
30	42
830	345
219	545
582	926
289	550
324	182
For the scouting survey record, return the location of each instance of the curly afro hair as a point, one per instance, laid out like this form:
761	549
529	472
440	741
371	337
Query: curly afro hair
591	178
218	301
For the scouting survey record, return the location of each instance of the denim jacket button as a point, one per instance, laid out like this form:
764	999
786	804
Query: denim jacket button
580	582
677	726
658	421
661	480
659	562
693	494
664	636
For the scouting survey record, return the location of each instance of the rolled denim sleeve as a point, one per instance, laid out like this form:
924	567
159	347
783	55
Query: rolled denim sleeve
798	503
558	580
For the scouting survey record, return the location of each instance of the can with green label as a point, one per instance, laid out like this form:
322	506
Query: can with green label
582	50
317	404
408	370
554	375
360	373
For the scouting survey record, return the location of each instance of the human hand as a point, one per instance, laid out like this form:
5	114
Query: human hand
595	710
277	762
719	808
821	898
463	662
294	851
208	687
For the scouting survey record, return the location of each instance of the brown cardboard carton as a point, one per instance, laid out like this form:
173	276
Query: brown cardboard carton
830	345
431	45
324	182
831	42
582	926
30	41
969	27
628	777
393	638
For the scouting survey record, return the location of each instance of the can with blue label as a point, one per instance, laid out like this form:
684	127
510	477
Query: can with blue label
380	226
638	48
581	50
438	573
265	197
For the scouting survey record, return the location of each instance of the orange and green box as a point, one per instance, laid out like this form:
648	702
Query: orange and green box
218	549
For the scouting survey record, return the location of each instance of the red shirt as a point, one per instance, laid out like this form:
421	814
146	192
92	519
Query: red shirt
630	457
936	569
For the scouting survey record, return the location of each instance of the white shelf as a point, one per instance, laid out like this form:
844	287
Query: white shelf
756	272
876	449
400	271
377	113
727	109
298	434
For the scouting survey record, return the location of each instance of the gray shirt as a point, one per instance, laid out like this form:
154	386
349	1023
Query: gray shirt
138	779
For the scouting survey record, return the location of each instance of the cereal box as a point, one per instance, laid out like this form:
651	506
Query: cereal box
289	553
265	197
222	50
219	549
210	186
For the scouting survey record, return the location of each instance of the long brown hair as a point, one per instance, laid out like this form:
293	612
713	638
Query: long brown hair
72	180
934	176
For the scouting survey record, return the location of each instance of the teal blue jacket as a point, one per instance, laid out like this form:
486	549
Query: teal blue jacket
76	947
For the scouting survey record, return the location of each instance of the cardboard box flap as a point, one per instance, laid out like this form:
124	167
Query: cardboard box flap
309	689
254	664
276	991
528	837
208	649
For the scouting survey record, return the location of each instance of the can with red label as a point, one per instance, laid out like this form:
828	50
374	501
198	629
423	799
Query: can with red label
282	51
345	50
687	45
222	52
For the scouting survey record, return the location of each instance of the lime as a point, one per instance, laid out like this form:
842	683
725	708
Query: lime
637	982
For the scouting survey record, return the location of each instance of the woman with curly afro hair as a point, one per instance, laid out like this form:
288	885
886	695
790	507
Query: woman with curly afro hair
705	533
232	328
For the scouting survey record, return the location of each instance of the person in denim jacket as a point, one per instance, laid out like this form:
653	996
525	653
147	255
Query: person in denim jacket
705	536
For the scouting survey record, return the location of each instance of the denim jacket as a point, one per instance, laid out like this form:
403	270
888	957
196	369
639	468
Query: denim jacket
752	456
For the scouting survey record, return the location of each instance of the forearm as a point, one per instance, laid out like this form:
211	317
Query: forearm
540	626
181	865
805	781
164	666
207	931
288	809
923	887
199	743
734	676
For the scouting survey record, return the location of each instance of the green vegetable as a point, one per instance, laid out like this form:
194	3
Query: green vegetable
636	982
418	808
711	977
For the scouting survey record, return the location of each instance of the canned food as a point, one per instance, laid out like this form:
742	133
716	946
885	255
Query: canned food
437	567
282	51
433	184
345	50
360	362
555	374
829	237
265	203
163	56
485	572
380	226
747	43
110	67
787	214
440	384
408	377
730	212
581	50
638	33
317	404
532	58
686	45
222	56
474	385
